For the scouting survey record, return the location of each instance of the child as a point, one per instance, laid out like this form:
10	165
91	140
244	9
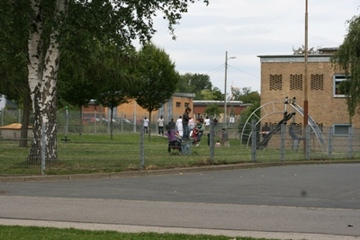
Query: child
224	138
174	140
198	132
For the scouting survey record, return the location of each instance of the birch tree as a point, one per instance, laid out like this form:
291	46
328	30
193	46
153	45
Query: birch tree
53	22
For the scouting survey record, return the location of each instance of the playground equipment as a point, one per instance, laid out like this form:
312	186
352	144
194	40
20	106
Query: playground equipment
272	108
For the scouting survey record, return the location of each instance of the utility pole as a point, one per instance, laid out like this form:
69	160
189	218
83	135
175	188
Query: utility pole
225	99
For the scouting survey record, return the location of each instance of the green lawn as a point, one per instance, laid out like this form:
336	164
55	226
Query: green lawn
100	154
38	233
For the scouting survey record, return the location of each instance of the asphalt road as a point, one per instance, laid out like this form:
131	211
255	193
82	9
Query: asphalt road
312	202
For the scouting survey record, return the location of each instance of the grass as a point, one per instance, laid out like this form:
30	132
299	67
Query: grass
38	233
99	154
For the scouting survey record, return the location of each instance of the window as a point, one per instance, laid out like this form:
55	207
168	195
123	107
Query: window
275	82
342	129
186	105
178	104
317	82
296	82
338	81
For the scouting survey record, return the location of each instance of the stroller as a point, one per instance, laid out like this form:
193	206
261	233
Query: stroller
174	141
196	135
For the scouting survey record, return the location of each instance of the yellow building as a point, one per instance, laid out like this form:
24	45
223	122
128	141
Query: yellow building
173	108
283	76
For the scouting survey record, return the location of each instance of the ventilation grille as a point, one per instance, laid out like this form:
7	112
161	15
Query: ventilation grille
296	81
275	82
317	82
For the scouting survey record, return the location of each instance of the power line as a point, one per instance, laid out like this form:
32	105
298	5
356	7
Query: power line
244	71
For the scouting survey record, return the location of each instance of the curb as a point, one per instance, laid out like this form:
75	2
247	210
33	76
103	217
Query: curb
208	168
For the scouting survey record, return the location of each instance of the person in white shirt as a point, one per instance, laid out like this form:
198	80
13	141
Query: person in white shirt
191	123
146	124
207	122
179	126
160	122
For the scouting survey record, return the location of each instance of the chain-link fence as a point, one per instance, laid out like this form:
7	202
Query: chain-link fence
90	148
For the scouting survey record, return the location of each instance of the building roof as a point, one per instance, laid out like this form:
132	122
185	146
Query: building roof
295	58
322	55
179	94
229	103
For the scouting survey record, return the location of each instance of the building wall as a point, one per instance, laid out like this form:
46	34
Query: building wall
283	76
172	109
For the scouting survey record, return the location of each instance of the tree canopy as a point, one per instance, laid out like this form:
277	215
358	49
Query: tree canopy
201	85
348	59
156	78
51	26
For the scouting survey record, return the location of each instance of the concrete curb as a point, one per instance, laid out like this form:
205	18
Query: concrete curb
223	167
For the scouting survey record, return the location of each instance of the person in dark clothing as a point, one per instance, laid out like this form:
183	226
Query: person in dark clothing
171	124
265	131
185	123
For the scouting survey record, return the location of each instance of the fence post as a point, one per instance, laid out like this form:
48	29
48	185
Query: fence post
121	122
211	141
330	142
307	143
2	116
95	120
134	119
43	148
350	143
142	145
282	142
253	140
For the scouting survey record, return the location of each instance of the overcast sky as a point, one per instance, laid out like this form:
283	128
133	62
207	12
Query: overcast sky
247	29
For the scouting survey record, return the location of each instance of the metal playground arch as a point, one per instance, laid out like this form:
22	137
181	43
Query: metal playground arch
272	108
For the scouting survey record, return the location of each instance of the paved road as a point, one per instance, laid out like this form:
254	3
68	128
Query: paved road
297	202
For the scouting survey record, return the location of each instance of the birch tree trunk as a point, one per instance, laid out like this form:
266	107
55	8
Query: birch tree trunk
43	68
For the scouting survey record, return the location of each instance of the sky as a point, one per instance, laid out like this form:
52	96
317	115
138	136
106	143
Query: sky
247	29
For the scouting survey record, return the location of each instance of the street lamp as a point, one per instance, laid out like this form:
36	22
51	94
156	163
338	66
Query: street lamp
225	100
306	102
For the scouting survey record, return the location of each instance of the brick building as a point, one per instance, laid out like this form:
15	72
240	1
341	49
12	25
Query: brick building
234	108
283	76
131	111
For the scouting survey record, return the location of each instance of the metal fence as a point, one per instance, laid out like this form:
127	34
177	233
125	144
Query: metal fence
89	148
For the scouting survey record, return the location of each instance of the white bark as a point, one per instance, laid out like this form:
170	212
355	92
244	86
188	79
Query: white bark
43	72
35	53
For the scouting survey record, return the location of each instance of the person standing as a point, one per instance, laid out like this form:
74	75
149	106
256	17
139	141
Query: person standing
179	126
207	122
160	122
224	138
172	124
146	125
264	132
185	123
191	123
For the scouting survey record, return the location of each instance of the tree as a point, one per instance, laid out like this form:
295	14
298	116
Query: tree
348	59
213	110
13	71
156	79
245	95
214	94
194	83
245	114
116	73
50	23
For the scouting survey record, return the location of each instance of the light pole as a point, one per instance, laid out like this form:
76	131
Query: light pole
306	102
225	100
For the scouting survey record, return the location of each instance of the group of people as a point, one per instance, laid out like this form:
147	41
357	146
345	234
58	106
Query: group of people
185	128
